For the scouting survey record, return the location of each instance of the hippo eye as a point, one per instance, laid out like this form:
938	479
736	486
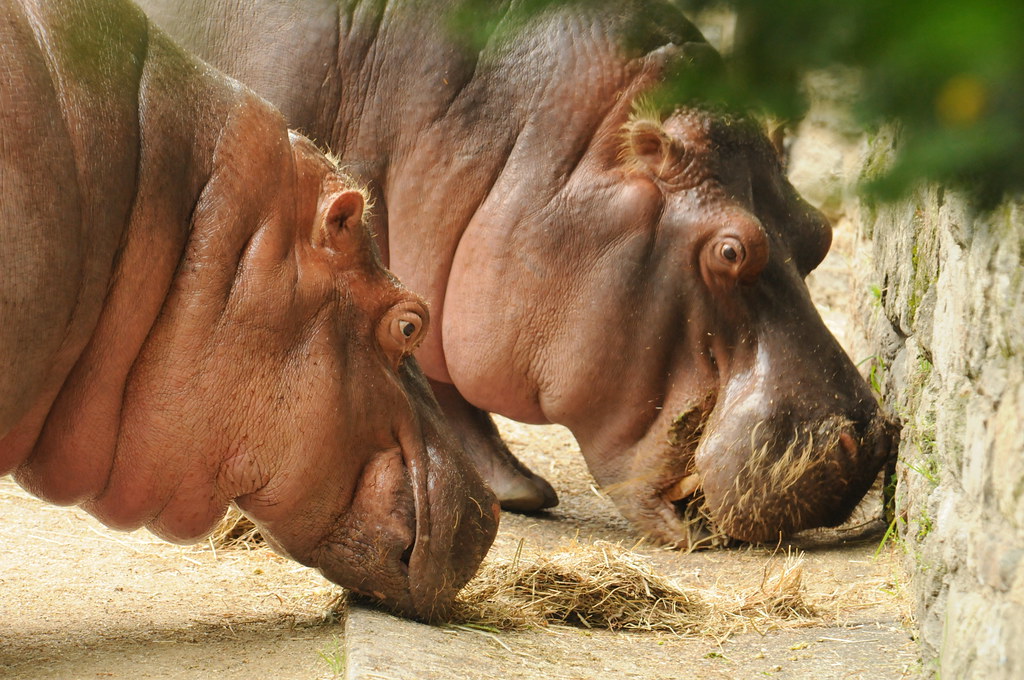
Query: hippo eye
405	329
731	251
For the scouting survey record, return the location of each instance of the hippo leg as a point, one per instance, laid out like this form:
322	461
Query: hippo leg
518	489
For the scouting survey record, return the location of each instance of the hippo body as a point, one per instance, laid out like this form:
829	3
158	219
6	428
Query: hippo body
192	313
632	272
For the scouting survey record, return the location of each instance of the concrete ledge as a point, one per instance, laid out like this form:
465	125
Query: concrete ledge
383	647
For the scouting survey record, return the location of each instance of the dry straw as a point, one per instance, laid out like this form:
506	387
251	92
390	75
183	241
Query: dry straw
606	586
603	587
235	532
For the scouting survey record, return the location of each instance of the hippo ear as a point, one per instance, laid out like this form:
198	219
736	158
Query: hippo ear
649	146
344	214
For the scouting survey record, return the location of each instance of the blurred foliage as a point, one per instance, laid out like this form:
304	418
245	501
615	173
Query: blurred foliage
950	72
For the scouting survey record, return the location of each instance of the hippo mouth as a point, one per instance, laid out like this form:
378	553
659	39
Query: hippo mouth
456	521
440	522
377	536
775	482
406	576
680	496
662	495
422	562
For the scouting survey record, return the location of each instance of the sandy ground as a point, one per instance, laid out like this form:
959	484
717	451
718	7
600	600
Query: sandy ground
81	601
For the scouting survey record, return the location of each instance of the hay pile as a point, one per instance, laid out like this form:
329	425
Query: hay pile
781	595
603	587
606	586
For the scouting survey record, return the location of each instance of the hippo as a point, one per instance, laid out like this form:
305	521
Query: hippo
596	252
193	313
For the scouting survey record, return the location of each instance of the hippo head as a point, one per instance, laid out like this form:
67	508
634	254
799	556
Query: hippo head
368	484
762	418
679	342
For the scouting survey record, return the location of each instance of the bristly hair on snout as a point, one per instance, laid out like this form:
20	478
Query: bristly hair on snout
769	479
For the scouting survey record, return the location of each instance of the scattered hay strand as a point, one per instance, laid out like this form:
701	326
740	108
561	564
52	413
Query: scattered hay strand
235	532
781	595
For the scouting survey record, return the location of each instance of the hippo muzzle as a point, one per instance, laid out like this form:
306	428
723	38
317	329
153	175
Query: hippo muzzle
429	522
769	430
766	474
793	439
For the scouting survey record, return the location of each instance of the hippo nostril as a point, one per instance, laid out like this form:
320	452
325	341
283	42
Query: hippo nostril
849	445
406	557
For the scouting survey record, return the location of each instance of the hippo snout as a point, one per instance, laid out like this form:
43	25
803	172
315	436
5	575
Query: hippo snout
428	526
456	514
768	477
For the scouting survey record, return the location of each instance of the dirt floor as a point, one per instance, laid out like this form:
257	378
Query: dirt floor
81	601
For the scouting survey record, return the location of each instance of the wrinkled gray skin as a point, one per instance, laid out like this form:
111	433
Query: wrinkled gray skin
635	276
192	313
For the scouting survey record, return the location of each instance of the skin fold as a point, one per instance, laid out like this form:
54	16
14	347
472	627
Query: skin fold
631	270
194	313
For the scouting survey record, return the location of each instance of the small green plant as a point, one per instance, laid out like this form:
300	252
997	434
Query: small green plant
891	536
876	294
929	471
889	491
334	658
876	374
924	526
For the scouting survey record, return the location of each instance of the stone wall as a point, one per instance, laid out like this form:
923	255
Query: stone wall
949	334
944	322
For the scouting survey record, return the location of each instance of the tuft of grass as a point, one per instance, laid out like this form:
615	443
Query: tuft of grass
334	658
929	471
891	536
876	375
877	296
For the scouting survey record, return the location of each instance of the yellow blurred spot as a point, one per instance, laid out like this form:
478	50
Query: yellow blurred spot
961	101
